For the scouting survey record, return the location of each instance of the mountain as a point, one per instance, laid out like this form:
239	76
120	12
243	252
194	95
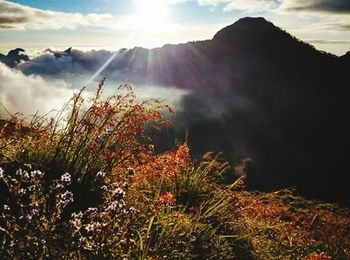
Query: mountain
264	97
276	106
13	57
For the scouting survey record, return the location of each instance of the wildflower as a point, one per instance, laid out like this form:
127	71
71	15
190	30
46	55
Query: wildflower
113	206
7	208
34	212
118	194
76	215
104	188
22	173
100	175
131	210
76	220
91	210
89	228
28	165
66	198
319	256
21	192
14	181
66	178
32	188
59	186
167	198
1	173
82	241
19	172
26	175
126	185
37	174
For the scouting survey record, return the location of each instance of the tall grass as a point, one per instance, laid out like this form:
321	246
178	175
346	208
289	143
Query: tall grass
87	184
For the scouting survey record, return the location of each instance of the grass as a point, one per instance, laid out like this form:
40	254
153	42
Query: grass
87	184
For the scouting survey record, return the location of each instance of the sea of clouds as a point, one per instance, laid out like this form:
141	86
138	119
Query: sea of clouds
45	83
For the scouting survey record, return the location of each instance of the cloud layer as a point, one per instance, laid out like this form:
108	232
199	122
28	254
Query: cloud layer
243	5
17	16
31	94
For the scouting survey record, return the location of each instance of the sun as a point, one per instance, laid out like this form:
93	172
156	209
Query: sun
152	16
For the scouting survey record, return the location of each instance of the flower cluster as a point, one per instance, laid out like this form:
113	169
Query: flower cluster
66	198
104	230
66	179
32	212
166	199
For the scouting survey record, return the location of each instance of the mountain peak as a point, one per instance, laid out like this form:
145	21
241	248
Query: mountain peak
251	21
246	26
257	35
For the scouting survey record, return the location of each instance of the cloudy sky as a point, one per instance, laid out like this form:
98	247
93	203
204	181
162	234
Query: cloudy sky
113	24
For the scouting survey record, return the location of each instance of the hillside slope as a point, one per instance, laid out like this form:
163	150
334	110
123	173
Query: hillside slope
260	93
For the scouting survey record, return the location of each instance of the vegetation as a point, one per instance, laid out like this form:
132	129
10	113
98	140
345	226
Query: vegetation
87	184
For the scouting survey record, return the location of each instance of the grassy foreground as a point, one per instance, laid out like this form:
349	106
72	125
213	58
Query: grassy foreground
87	184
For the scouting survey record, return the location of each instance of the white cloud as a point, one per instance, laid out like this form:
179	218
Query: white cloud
243	5
21	17
17	16
252	5
31	94
212	2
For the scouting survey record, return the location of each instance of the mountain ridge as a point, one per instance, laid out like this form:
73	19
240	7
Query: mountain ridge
277	97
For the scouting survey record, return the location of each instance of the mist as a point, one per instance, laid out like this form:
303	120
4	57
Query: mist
28	95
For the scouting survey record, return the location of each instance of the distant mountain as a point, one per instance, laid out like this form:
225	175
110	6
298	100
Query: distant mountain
262	94
14	57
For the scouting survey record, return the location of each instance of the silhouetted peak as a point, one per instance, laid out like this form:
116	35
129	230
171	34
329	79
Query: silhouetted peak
252	21
257	35
245	27
14	57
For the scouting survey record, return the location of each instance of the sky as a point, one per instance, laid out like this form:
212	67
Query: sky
115	24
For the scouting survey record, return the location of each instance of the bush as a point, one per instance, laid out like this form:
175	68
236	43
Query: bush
87	183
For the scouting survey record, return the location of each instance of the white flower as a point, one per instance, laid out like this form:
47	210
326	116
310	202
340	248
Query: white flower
22	192
66	198
101	175
118	194
14	181
1	173
37	174
66	178
28	165
112	206
90	228
104	188
75	221
59	186
91	210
